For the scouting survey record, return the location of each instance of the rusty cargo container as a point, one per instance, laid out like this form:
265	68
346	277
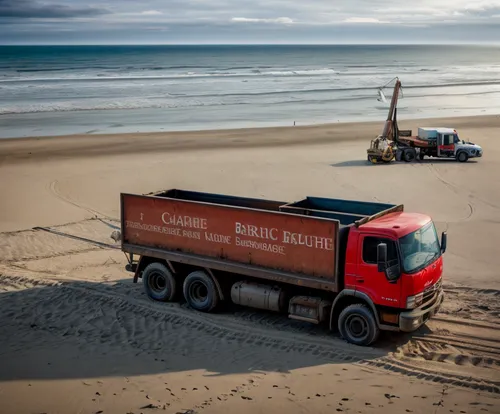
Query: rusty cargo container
269	254
240	231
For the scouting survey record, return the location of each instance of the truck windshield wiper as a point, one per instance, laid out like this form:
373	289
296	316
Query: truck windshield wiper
430	256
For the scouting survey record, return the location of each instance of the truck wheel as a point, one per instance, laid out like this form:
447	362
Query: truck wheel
200	291
409	155
421	155
357	325
462	156
159	283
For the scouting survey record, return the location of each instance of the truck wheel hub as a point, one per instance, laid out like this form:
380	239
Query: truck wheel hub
357	326
157	282
198	292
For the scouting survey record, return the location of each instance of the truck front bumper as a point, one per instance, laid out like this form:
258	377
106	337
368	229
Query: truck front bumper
414	319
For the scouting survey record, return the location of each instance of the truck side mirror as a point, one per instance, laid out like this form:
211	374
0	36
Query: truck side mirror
382	257
444	241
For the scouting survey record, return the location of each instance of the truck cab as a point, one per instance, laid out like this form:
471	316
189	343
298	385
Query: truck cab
396	262
447	143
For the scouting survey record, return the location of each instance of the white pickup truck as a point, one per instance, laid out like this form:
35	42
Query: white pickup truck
439	142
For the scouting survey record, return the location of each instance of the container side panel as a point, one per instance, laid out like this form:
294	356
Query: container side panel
290	243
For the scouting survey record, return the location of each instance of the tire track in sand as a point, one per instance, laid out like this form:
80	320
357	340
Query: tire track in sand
460	191
107	317
85	299
53	189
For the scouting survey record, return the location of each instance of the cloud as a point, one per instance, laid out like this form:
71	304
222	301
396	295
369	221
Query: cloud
35	9
364	20
481	11
256	21
279	20
151	13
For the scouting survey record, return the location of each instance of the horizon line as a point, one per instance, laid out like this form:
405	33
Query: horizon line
261	44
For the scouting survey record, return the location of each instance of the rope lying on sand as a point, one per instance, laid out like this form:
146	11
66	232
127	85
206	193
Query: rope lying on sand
84	239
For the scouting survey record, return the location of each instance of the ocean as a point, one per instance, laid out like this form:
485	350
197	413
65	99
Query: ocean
55	90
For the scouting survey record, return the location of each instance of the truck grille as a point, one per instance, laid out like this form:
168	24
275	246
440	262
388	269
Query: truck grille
431	291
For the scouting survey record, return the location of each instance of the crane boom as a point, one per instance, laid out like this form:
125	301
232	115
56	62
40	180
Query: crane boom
390	117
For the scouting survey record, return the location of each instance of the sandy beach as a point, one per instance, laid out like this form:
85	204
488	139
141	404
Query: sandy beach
79	337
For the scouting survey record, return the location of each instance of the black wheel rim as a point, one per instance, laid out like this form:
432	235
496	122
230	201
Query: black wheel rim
198	292
357	327
157	282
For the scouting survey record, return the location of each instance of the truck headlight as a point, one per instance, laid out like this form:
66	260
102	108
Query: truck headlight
414	301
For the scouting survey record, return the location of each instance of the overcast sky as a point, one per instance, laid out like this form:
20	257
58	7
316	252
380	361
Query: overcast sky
248	21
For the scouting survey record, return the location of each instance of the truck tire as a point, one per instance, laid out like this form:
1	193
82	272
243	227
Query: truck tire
462	156
409	155
159	283
200	291
357	325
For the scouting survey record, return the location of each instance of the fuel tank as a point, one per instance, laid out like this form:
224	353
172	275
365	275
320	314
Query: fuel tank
258	296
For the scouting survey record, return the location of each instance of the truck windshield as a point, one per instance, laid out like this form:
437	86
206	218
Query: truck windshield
419	248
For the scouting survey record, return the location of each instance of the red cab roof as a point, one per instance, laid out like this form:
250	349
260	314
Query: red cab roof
397	224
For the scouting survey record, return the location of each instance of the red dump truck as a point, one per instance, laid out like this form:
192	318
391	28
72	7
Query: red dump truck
359	266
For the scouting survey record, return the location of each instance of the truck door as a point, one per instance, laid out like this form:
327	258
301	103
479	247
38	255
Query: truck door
369	280
446	145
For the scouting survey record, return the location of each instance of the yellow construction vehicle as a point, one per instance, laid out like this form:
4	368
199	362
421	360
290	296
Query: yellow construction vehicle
382	148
